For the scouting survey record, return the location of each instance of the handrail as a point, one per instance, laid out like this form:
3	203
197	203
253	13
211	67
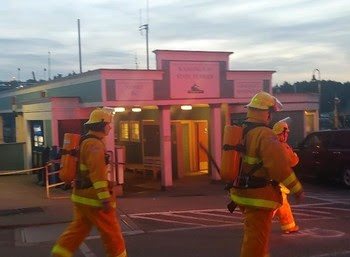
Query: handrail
47	175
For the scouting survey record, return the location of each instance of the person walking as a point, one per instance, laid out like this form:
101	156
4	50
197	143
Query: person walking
94	202
284	213
256	190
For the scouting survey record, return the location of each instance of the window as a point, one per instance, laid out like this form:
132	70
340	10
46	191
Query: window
9	128
312	141
340	140
135	131
124	130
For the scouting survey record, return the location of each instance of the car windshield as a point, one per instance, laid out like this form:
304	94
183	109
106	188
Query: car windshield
316	140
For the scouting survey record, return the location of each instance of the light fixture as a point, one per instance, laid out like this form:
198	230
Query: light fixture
136	109
186	107
119	109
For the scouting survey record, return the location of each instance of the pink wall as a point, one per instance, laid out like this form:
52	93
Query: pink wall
190	56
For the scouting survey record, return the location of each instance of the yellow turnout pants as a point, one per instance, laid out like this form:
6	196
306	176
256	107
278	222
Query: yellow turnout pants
257	228
285	215
84	218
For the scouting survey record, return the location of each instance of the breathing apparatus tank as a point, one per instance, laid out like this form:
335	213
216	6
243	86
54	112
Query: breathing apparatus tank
230	161
70	157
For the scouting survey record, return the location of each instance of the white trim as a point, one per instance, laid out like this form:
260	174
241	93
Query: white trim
92	104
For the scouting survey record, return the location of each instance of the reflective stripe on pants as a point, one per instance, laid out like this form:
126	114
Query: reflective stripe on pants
285	215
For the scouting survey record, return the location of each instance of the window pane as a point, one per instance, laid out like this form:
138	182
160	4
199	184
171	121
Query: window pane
124	130
135	131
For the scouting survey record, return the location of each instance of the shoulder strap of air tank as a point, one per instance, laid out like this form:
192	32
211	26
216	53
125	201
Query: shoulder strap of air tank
87	136
248	126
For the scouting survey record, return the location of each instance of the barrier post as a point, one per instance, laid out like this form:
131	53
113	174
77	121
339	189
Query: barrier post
48	186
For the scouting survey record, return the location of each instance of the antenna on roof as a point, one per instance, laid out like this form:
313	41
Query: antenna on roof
136	62
49	65
145	27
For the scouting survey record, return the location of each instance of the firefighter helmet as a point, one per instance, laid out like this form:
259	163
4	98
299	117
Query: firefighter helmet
281	126
100	115
265	101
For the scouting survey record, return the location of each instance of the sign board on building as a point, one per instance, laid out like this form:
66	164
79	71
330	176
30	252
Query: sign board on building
247	88
134	89
194	80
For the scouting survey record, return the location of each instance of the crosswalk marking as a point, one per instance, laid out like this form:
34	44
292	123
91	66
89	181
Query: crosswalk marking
85	250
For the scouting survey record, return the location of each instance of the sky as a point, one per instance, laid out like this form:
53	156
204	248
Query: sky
293	38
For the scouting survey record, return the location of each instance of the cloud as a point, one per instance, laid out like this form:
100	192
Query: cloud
292	37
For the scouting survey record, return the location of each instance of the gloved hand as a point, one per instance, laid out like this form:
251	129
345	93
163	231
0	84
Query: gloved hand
106	206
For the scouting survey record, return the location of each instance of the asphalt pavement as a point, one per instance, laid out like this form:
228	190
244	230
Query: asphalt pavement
24	202
190	219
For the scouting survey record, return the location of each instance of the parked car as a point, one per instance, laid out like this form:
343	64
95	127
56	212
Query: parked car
325	154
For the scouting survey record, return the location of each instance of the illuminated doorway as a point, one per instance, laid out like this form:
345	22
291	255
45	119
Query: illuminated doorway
193	135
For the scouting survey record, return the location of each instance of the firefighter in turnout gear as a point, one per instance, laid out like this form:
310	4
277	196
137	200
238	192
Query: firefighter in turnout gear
256	190
284	213
94	203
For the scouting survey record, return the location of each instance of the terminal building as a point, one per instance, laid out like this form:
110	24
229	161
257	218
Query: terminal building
164	117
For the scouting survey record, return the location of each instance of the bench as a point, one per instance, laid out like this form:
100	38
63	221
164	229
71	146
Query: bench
153	164
150	163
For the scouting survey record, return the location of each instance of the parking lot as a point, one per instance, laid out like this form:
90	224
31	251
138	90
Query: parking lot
198	226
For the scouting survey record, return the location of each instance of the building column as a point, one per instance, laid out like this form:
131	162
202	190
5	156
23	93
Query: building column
215	139
111	150
165	147
54	131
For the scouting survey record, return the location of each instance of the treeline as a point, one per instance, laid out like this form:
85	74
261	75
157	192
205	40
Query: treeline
330	90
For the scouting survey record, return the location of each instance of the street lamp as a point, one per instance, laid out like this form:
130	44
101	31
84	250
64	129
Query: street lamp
336	119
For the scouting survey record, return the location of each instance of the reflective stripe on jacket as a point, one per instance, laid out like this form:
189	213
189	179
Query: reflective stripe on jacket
93	168
262	145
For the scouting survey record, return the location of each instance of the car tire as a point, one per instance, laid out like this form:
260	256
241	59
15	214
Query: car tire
345	177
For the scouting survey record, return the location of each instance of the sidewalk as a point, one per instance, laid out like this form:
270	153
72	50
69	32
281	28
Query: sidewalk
24	203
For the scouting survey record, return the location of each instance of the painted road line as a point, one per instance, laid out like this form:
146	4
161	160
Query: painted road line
166	220
193	228
85	250
197	218
184	211
334	254
335	208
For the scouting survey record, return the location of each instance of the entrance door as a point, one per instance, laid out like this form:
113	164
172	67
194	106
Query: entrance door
151	140
194	134
37	140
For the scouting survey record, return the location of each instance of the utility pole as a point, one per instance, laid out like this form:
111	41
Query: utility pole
49	65
80	67
145	27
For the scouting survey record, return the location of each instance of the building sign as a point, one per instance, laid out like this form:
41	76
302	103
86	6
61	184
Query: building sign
194	80
246	88
134	90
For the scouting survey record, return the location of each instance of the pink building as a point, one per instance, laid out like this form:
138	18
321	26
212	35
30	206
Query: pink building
167	113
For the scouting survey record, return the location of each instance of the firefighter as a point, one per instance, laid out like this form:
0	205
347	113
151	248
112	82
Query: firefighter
258	195
94	203
284	213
